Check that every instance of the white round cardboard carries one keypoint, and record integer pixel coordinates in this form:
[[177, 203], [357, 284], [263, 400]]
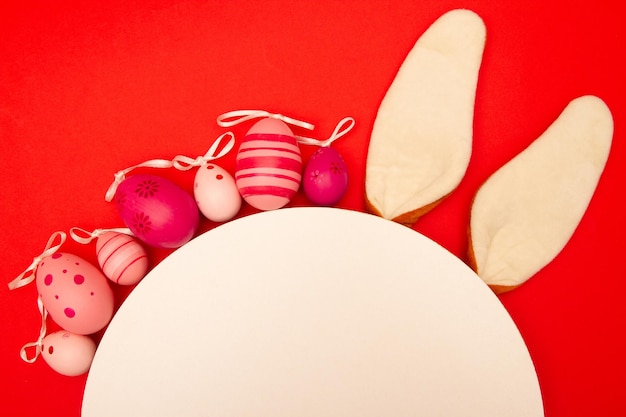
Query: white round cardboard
[[312, 312]]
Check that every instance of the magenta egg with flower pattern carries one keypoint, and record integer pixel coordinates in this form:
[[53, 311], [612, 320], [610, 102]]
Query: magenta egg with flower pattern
[[157, 211], [75, 293], [325, 178]]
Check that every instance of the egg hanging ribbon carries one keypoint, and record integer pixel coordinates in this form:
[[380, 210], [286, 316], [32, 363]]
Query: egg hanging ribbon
[[180, 162], [344, 126], [28, 275], [236, 117], [26, 278], [84, 236], [42, 333]]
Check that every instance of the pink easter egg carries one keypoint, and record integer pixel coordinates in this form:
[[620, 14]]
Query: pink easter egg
[[216, 193], [157, 211], [325, 178], [268, 165], [68, 353], [122, 259], [75, 293]]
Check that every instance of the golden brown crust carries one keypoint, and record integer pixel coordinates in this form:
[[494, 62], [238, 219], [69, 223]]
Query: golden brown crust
[[371, 208], [471, 261], [409, 218], [471, 257], [501, 289]]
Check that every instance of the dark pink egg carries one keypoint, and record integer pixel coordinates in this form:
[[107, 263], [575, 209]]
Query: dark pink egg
[[75, 293], [157, 211], [269, 165], [325, 178]]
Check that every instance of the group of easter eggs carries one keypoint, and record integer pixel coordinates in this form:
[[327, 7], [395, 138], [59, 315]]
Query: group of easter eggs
[[157, 212]]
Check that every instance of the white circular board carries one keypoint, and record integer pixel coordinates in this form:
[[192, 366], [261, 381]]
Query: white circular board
[[312, 312]]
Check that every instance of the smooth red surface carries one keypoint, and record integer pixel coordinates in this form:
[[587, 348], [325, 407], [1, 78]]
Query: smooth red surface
[[87, 90]]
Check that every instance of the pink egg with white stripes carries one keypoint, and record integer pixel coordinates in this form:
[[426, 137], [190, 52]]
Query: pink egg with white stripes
[[122, 259], [269, 165], [75, 293]]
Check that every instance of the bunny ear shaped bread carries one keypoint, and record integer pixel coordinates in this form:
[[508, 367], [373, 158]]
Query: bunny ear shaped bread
[[526, 212], [421, 141]]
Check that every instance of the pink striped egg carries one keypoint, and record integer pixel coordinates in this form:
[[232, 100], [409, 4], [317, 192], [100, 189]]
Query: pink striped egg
[[122, 259], [269, 165]]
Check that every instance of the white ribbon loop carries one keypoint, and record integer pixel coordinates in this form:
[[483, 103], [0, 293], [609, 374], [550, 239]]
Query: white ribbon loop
[[84, 236], [344, 126], [180, 162], [39, 342], [28, 275], [236, 117], [121, 175], [184, 163]]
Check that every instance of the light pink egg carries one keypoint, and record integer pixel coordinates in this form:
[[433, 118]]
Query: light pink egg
[[216, 193], [269, 165], [75, 293], [157, 211], [325, 178], [122, 259], [68, 353]]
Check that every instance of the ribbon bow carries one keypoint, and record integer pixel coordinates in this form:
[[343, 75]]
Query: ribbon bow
[[83, 236], [26, 278], [235, 117], [180, 162], [39, 342], [28, 275], [344, 126]]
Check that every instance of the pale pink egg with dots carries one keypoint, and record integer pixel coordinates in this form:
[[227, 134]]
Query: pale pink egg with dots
[[122, 259], [157, 211], [75, 293], [269, 165], [68, 353], [216, 193]]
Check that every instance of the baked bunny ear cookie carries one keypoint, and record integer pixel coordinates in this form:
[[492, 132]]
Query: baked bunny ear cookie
[[421, 141], [526, 212]]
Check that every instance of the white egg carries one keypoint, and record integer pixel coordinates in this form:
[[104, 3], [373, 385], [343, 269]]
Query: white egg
[[68, 353], [216, 193]]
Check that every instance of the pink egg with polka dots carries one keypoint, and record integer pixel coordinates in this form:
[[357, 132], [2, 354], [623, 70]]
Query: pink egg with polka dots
[[157, 211], [269, 165], [216, 193], [122, 259], [75, 293]]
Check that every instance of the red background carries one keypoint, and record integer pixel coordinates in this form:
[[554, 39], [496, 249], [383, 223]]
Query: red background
[[87, 90]]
